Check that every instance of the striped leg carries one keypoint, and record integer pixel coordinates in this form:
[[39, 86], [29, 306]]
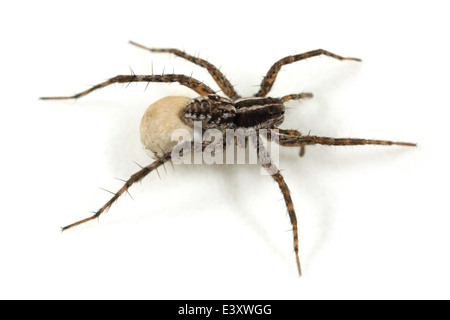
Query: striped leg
[[297, 96], [293, 138], [218, 76], [138, 176], [276, 175], [271, 75], [284, 133], [186, 81], [294, 133], [141, 174]]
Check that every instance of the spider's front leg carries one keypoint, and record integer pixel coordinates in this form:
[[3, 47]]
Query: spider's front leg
[[293, 138], [186, 81], [266, 162], [271, 75]]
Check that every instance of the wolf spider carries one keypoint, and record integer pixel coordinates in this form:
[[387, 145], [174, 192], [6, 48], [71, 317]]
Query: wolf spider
[[258, 112]]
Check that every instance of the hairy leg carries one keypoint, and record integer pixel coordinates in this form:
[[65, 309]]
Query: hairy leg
[[186, 81], [138, 176], [276, 175], [271, 75], [284, 132], [297, 96], [293, 138], [297, 134], [218, 76], [141, 174]]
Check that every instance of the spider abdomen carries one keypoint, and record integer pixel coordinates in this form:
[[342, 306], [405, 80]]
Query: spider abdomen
[[212, 111]]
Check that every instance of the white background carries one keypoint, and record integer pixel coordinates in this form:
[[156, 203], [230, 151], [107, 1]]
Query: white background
[[373, 221]]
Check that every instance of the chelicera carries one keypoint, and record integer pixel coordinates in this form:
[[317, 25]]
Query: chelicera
[[217, 112]]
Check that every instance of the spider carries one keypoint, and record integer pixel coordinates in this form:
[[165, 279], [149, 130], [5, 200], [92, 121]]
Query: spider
[[258, 112]]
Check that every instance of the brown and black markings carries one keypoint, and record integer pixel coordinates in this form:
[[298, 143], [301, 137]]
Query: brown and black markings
[[258, 112]]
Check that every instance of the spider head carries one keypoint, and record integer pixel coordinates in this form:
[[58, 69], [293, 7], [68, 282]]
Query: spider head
[[259, 112]]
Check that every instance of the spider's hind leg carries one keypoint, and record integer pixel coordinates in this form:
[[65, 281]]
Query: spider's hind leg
[[141, 174], [217, 75], [138, 176]]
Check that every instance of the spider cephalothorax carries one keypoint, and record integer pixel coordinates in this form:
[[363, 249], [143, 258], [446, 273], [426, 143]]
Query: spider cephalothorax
[[215, 112]]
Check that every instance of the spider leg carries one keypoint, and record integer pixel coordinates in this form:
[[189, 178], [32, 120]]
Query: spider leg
[[186, 81], [294, 132], [297, 96], [141, 174], [276, 175], [138, 176], [218, 76], [293, 138], [271, 75], [290, 132]]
